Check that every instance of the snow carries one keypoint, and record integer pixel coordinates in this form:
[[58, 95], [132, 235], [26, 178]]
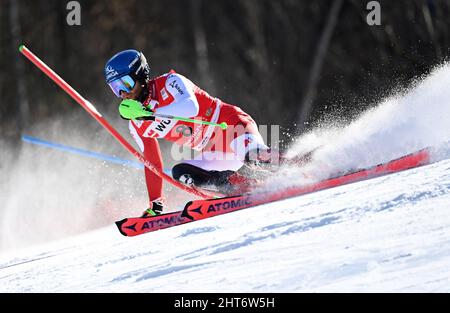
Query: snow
[[389, 234]]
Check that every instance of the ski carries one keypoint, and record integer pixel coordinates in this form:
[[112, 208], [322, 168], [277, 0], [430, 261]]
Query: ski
[[140, 225], [201, 209]]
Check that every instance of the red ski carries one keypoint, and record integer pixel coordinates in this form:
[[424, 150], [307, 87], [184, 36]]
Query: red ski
[[201, 209], [139, 225]]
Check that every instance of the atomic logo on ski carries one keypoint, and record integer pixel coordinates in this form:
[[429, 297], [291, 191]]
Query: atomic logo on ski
[[132, 227], [201, 209], [140, 225], [197, 210]]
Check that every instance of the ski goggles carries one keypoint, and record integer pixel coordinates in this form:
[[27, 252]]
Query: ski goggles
[[124, 83]]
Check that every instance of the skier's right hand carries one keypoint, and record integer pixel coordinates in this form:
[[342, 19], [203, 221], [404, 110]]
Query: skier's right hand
[[147, 117], [134, 110]]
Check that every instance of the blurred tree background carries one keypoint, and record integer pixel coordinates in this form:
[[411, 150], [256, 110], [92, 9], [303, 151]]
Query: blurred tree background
[[285, 62]]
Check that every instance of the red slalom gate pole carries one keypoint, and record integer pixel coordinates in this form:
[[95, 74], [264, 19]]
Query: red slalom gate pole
[[97, 116]]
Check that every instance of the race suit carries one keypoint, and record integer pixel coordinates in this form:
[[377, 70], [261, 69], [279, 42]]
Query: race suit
[[218, 149]]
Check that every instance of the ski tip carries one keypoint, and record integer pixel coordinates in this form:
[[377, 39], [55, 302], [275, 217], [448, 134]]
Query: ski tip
[[119, 225], [21, 47]]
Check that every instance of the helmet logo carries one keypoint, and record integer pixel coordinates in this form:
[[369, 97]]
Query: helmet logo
[[133, 62], [140, 67], [110, 72]]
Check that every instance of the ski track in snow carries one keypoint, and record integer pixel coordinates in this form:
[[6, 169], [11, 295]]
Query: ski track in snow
[[388, 234]]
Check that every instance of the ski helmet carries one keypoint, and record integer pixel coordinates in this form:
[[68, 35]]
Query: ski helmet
[[128, 62]]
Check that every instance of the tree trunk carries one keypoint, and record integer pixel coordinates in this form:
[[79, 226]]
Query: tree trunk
[[22, 101], [321, 51], [431, 30], [201, 47]]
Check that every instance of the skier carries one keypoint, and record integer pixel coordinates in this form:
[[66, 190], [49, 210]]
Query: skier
[[221, 152]]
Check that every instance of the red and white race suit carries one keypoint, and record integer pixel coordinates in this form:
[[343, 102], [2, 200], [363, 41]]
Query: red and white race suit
[[173, 94]]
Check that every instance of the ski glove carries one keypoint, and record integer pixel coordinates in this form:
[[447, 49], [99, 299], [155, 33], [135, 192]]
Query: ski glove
[[134, 110]]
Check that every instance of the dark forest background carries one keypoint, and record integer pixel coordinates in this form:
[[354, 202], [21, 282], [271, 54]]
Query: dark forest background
[[272, 58]]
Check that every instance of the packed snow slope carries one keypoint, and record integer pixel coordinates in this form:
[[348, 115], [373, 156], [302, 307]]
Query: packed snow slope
[[388, 234], [385, 234]]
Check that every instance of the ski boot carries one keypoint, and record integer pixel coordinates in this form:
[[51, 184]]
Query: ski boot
[[197, 177], [155, 209]]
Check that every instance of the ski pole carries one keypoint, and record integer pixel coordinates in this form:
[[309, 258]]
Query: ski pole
[[86, 153], [89, 107], [132, 109]]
